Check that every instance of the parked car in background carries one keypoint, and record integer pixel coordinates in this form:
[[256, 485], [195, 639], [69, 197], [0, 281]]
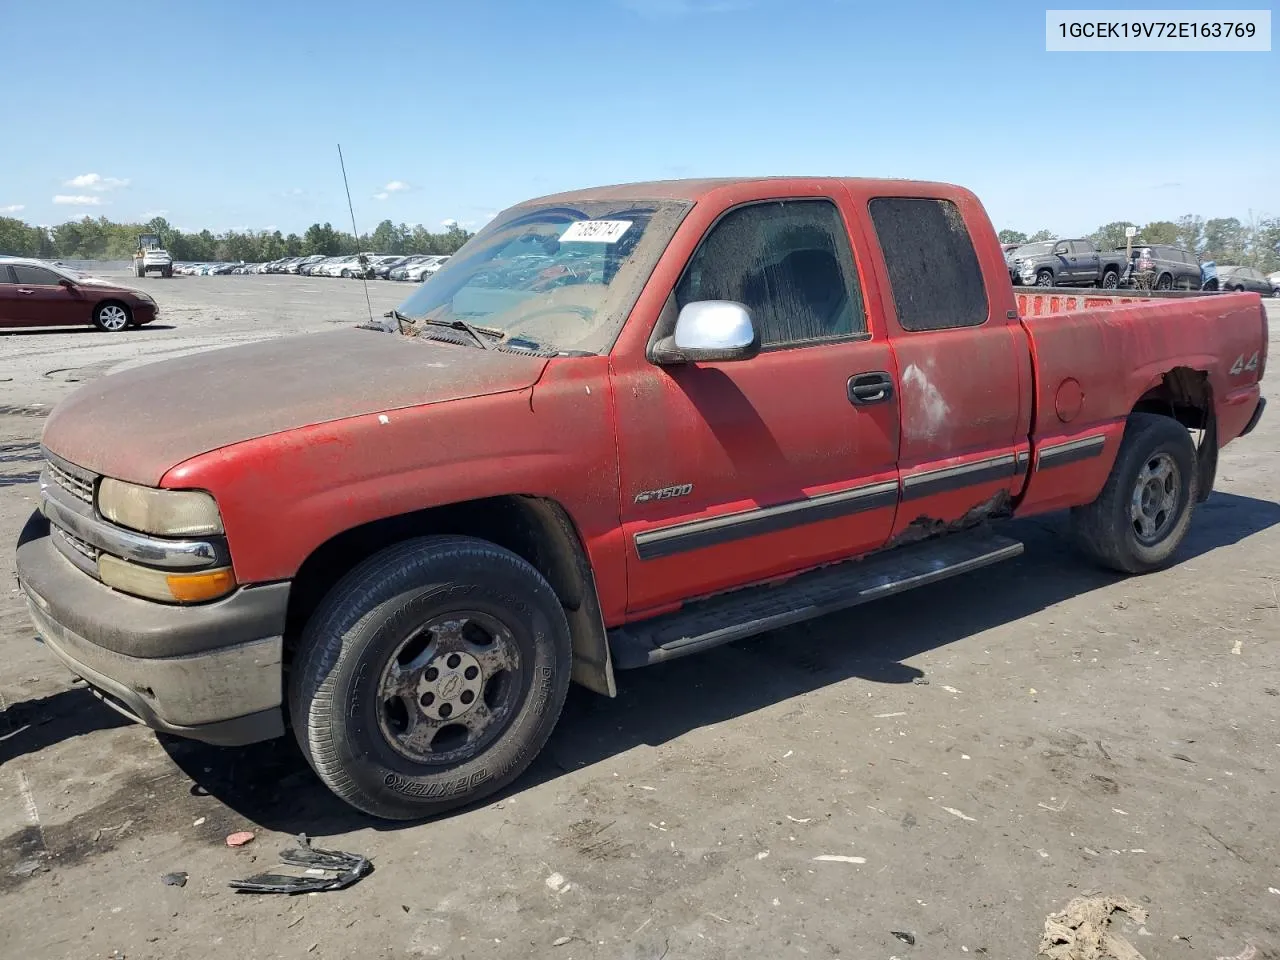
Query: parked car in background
[[420, 271], [1274, 280], [36, 294], [309, 266], [382, 266], [1161, 266], [401, 270], [350, 267], [1244, 279], [1065, 263]]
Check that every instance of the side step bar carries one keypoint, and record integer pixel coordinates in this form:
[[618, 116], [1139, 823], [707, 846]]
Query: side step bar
[[743, 613]]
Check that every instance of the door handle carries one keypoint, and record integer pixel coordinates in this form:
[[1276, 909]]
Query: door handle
[[868, 388], [24, 290]]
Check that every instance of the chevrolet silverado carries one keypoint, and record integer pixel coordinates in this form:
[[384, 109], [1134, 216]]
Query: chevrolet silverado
[[620, 426]]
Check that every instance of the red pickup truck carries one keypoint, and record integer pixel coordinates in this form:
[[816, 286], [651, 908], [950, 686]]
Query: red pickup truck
[[620, 426]]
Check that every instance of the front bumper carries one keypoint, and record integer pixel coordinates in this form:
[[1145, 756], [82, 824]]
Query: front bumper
[[210, 672]]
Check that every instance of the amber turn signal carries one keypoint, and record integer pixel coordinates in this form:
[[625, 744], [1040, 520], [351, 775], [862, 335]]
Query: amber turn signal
[[162, 585]]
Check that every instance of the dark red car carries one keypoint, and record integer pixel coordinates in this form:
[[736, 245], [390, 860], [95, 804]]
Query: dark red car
[[35, 294]]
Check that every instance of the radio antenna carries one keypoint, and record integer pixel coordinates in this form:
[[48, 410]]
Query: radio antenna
[[354, 232]]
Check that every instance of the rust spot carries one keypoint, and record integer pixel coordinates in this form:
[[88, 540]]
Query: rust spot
[[998, 506]]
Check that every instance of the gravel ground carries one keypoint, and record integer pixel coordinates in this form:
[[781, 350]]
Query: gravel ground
[[979, 753]]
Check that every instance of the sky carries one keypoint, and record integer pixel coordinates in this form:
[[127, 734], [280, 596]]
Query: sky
[[227, 115]]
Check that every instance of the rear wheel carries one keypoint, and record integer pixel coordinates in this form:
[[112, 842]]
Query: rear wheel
[[111, 317], [1144, 510], [1044, 278], [430, 676], [1165, 282]]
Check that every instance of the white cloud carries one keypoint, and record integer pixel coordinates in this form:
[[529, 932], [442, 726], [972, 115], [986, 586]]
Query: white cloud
[[396, 186], [13, 208], [295, 192], [448, 223], [68, 200], [96, 182], [152, 214], [381, 196]]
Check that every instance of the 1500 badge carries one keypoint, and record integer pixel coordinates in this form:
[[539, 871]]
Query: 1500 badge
[[666, 493]]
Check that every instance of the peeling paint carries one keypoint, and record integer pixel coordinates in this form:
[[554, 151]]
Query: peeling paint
[[927, 410]]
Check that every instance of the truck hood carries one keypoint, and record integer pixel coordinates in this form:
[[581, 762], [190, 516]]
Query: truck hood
[[138, 424]]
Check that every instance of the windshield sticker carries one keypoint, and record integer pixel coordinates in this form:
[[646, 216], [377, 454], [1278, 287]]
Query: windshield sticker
[[596, 231]]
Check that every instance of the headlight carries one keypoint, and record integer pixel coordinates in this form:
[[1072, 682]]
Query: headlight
[[166, 513]]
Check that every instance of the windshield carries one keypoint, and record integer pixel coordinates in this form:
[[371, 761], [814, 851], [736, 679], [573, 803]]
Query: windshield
[[1035, 249], [552, 277]]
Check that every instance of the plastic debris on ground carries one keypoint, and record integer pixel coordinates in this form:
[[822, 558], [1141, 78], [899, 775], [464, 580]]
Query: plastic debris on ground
[[239, 839], [1083, 930], [908, 938], [322, 870], [178, 879]]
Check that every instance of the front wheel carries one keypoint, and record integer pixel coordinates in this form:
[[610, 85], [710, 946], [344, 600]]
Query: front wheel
[[430, 676], [346, 274], [1110, 280], [111, 317], [1144, 510], [1044, 278]]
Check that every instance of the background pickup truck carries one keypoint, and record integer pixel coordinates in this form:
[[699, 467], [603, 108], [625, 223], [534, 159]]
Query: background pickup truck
[[619, 426], [1066, 263]]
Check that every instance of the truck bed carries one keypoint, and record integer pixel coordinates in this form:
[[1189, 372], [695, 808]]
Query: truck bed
[[1096, 357]]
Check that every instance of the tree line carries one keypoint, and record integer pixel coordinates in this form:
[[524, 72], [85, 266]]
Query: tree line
[[1225, 240], [103, 239]]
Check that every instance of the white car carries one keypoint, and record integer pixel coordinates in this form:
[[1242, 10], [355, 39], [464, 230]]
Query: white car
[[346, 268], [1274, 278], [420, 271]]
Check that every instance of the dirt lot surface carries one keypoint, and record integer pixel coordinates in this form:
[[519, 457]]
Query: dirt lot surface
[[977, 753]]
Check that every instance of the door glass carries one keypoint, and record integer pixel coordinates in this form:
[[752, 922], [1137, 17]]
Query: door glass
[[35, 276], [933, 269], [786, 261]]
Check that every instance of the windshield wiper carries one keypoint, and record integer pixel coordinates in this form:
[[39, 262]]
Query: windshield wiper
[[477, 333]]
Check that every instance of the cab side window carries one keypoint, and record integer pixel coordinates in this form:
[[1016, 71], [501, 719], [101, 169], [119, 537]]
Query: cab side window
[[789, 263], [933, 268]]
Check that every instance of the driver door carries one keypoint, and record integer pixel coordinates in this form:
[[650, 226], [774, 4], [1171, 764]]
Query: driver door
[[738, 472]]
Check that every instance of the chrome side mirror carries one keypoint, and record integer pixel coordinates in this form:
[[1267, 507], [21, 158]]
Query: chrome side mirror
[[710, 330]]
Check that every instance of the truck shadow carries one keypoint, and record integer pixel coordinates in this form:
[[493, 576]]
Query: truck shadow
[[271, 784], [28, 726]]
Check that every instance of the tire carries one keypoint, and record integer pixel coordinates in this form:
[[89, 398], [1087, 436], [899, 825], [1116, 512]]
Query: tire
[[1044, 278], [112, 317], [1109, 530], [139, 272], [1165, 282], [1110, 280], [346, 274], [167, 273], [374, 631]]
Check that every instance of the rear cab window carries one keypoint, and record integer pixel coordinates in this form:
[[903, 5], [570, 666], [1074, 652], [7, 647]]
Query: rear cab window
[[934, 274]]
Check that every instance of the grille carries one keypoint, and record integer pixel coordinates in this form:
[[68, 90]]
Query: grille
[[84, 549], [76, 486]]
